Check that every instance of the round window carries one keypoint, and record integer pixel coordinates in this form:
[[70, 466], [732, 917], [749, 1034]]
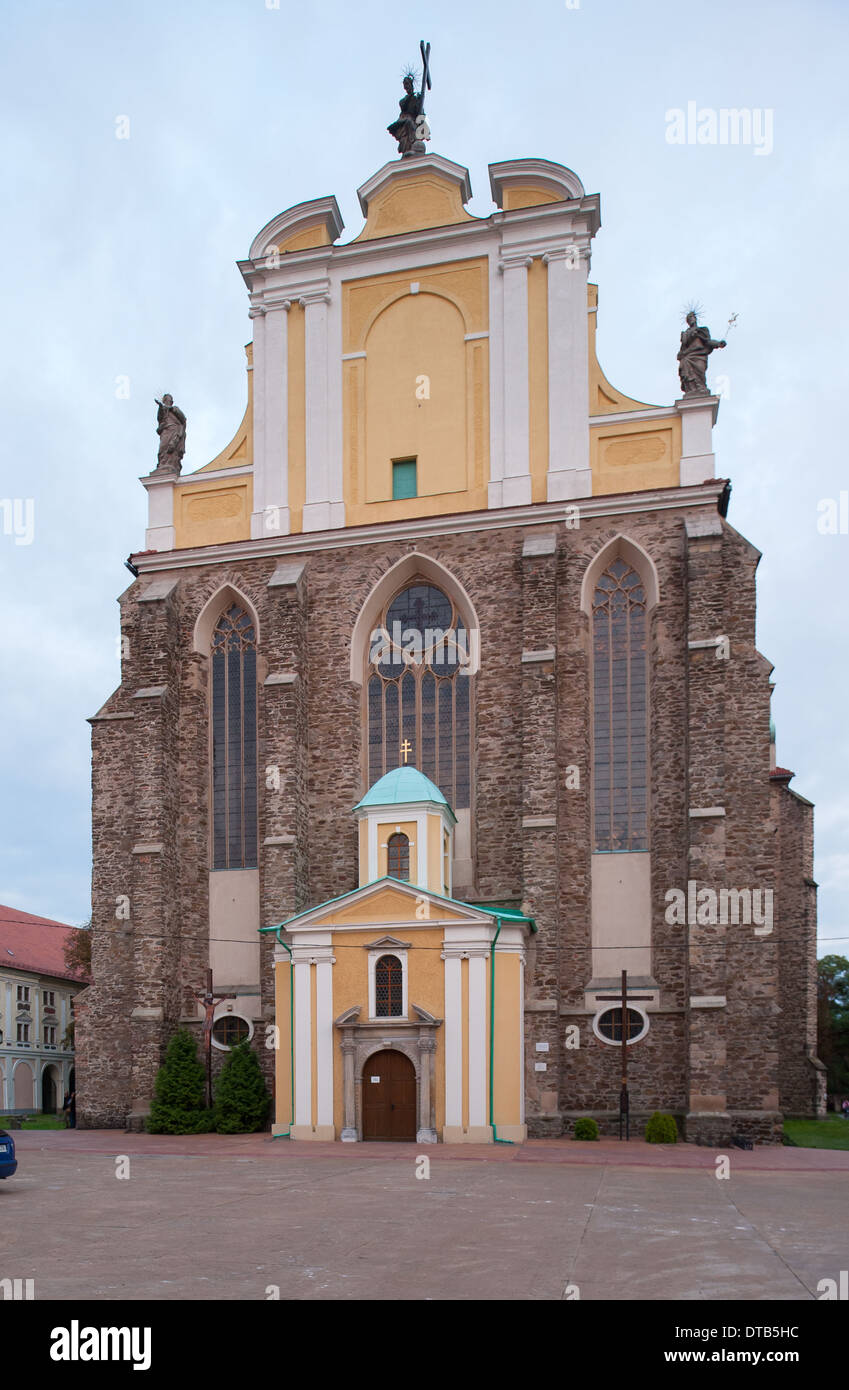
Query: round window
[[608, 1025], [229, 1030]]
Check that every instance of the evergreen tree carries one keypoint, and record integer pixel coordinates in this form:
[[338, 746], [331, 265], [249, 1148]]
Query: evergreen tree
[[833, 1022], [241, 1099], [179, 1093]]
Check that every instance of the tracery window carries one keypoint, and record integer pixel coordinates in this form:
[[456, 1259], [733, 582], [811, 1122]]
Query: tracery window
[[620, 709], [388, 987], [398, 857], [234, 780], [418, 692]]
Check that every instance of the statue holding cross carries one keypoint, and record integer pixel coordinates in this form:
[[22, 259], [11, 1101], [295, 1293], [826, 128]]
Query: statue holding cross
[[411, 129]]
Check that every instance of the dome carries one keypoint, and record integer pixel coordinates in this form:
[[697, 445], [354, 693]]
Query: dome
[[401, 786]]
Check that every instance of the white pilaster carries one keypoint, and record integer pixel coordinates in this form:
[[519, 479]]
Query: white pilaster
[[271, 501], [569, 472], [324, 1040], [477, 1038], [496, 378], [257, 316], [516, 482], [303, 1044], [317, 503], [453, 1041], [698, 417], [160, 533]]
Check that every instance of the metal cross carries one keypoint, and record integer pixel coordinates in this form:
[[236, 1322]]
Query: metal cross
[[406, 748], [425, 52], [624, 1098], [209, 998]]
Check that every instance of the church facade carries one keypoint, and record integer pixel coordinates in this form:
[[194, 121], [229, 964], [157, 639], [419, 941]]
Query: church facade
[[441, 707]]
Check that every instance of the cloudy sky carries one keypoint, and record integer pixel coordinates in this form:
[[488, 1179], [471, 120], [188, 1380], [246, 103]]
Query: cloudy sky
[[118, 262]]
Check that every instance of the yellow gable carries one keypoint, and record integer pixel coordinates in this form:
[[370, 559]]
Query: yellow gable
[[426, 199], [389, 904]]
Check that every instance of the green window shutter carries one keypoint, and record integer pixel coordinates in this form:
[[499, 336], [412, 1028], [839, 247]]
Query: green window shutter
[[403, 479]]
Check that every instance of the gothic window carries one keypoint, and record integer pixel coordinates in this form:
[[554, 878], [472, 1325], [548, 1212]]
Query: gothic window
[[398, 857], [620, 710], [418, 692], [388, 988], [234, 785]]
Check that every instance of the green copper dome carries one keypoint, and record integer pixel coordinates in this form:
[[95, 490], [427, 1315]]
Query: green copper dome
[[400, 787]]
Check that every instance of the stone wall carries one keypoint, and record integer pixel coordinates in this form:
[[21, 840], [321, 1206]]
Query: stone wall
[[532, 843]]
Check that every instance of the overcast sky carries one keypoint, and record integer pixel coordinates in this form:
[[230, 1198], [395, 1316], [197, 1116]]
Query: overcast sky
[[119, 261]]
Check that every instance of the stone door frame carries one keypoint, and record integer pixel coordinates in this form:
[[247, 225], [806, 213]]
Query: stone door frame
[[415, 1038]]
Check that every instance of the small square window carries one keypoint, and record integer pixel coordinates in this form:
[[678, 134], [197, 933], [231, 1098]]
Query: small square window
[[403, 479]]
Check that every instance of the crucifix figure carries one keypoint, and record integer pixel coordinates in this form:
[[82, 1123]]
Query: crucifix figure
[[411, 129], [209, 998], [623, 998]]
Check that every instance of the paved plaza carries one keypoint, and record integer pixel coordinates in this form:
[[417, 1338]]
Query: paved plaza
[[219, 1217]]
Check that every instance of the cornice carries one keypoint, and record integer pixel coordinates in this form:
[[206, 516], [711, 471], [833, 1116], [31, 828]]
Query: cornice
[[704, 494]]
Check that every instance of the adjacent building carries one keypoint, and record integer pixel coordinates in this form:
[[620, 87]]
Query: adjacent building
[[37, 994]]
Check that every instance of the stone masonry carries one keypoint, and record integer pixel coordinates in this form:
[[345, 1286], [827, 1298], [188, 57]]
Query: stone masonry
[[731, 1065]]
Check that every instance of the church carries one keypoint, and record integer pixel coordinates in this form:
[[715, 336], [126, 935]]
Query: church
[[441, 719]]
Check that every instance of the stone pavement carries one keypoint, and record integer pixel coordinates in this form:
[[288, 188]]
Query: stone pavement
[[220, 1217]]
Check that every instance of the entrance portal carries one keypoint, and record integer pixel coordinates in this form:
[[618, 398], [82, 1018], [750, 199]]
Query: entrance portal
[[389, 1097]]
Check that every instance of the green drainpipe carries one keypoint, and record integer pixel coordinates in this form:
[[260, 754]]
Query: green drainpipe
[[495, 1138], [287, 1134]]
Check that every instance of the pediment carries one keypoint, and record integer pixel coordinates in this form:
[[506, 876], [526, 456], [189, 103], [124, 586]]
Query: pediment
[[387, 903]]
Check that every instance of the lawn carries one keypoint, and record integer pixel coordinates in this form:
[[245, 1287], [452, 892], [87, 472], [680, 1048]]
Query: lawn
[[830, 1133], [53, 1122]]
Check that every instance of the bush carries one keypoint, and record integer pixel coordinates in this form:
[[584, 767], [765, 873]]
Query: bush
[[661, 1129], [179, 1092], [241, 1099], [585, 1128]]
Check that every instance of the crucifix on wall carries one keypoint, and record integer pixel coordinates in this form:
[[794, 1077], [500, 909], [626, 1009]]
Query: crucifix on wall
[[623, 999], [209, 998]]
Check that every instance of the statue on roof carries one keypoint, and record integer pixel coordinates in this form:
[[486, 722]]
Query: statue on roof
[[171, 428], [411, 129], [696, 346]]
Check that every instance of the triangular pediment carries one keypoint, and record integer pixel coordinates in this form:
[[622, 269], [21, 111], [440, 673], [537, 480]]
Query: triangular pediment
[[387, 903]]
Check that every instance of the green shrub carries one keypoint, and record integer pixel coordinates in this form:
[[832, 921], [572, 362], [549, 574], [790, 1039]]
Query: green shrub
[[179, 1092], [585, 1128], [661, 1129], [241, 1099]]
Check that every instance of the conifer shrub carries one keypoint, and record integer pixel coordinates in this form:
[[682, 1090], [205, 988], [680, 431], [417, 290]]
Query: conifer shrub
[[242, 1101], [179, 1092], [585, 1128], [661, 1129]]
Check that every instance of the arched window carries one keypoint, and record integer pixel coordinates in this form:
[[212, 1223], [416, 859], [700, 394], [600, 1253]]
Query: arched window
[[620, 709], [398, 857], [234, 789], [418, 691], [388, 987]]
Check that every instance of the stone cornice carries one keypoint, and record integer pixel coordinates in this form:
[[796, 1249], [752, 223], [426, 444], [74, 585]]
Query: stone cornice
[[704, 494]]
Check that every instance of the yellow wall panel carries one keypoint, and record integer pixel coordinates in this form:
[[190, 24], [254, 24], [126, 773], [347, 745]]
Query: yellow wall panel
[[213, 511], [635, 456]]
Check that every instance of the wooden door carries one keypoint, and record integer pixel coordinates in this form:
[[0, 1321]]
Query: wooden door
[[389, 1097]]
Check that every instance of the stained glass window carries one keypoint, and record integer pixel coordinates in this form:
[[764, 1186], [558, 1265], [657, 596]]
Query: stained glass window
[[398, 857], [388, 991], [234, 771], [418, 693], [620, 710]]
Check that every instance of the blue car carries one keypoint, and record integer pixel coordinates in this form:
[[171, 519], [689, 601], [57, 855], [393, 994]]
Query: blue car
[[8, 1162]]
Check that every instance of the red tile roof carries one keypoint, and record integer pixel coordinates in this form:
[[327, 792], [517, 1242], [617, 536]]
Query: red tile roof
[[782, 774], [35, 944]]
